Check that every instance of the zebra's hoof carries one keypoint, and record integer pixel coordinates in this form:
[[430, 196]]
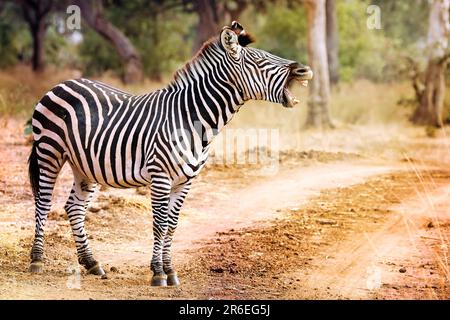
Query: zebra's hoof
[[36, 267], [96, 270], [159, 281], [172, 279]]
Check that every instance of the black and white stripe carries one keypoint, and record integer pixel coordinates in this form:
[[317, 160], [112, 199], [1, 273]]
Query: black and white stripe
[[160, 139]]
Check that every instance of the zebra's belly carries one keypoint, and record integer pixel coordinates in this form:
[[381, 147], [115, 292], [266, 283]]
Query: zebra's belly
[[118, 173]]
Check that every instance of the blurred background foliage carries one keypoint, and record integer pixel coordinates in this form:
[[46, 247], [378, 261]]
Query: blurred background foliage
[[164, 38], [165, 34], [15, 39]]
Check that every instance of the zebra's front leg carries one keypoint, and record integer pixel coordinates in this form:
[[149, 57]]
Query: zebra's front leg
[[160, 189], [176, 201], [80, 196]]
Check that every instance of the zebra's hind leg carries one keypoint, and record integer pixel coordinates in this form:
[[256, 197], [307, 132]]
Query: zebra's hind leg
[[80, 196], [45, 163], [177, 197], [43, 205]]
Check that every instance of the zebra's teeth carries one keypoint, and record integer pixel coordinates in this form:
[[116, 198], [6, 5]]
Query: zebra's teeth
[[304, 83], [291, 100]]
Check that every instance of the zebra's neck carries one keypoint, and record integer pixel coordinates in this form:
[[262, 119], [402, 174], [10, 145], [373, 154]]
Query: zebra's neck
[[205, 94]]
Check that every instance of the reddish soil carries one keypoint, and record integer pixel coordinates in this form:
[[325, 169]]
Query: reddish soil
[[324, 225]]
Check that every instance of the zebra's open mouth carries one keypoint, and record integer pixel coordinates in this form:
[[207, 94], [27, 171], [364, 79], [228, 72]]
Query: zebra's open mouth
[[289, 100]]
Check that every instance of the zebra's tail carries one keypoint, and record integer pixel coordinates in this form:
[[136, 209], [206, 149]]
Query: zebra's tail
[[33, 170]]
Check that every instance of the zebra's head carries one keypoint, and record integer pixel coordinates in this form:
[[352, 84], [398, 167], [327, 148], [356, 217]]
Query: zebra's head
[[260, 75]]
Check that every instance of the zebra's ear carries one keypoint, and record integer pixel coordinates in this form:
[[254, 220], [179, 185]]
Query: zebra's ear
[[244, 38], [229, 40]]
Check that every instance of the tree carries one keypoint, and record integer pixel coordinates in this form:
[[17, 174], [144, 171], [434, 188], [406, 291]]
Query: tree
[[92, 13], [318, 109], [35, 13], [207, 22], [212, 15], [332, 41], [431, 104]]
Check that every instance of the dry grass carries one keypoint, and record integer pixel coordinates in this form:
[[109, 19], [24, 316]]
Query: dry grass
[[20, 88], [369, 120], [364, 102], [361, 102]]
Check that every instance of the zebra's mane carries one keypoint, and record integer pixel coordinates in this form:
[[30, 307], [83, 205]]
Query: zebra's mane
[[185, 71], [212, 44]]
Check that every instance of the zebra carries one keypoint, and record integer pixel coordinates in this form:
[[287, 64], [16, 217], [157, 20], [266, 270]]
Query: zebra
[[160, 139]]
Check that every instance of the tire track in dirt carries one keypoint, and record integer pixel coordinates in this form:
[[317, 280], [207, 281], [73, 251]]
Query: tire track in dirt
[[387, 263], [371, 240], [257, 201]]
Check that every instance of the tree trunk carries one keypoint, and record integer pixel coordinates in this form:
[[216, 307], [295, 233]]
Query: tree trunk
[[38, 35], [207, 25], [211, 14], [35, 12], [431, 104], [92, 13], [318, 109], [332, 41]]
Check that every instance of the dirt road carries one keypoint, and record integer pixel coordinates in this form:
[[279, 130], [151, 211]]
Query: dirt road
[[343, 228], [406, 258]]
